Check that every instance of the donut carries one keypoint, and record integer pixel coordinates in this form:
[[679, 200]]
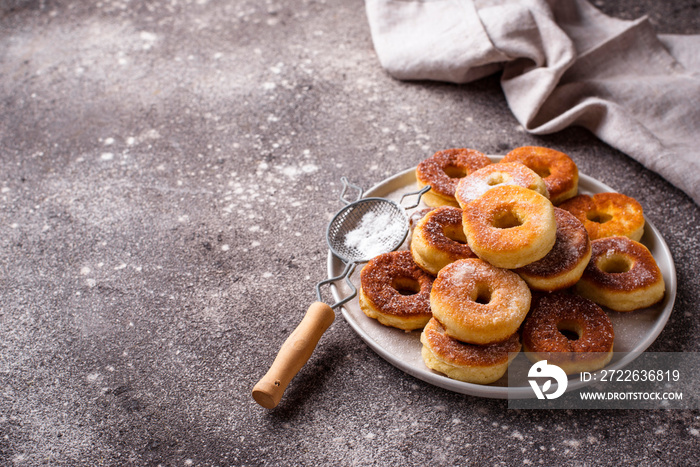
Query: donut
[[622, 275], [510, 226], [395, 291], [479, 303], [563, 266], [569, 331], [480, 364], [438, 239], [479, 182], [608, 215], [443, 170], [558, 171]]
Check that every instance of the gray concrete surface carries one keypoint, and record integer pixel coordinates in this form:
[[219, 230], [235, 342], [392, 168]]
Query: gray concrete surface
[[168, 170]]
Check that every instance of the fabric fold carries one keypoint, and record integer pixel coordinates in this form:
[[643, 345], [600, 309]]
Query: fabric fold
[[433, 40], [563, 63]]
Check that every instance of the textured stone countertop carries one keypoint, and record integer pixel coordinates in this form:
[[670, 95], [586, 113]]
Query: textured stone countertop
[[168, 171]]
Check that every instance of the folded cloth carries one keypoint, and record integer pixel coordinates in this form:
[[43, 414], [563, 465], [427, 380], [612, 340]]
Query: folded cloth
[[563, 63]]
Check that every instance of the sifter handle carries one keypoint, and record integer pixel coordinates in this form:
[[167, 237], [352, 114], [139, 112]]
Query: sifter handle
[[293, 354]]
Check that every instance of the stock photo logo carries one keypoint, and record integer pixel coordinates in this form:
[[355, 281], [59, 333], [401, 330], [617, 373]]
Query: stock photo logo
[[541, 370]]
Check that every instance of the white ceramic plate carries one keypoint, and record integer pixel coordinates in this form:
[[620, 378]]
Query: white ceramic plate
[[634, 331]]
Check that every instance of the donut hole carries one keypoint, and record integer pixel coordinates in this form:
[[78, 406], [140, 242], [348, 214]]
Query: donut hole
[[453, 171], [543, 172], [482, 294], [615, 264], [570, 329], [506, 220], [495, 179], [455, 233], [599, 217], [406, 285]]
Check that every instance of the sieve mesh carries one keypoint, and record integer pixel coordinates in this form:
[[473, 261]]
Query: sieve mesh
[[386, 233]]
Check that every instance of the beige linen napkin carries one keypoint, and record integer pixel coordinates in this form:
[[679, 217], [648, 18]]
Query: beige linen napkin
[[564, 63]]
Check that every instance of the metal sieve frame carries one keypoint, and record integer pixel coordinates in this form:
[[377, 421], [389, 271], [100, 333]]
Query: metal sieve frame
[[354, 212]]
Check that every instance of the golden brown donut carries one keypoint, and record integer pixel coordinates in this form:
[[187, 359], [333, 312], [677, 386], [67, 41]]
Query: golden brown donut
[[479, 303], [443, 170], [438, 239], [510, 226], [479, 182], [563, 266], [558, 171], [480, 364], [395, 291], [622, 275], [569, 331], [608, 215]]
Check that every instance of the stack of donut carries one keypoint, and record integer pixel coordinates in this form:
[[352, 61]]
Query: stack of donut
[[509, 252]]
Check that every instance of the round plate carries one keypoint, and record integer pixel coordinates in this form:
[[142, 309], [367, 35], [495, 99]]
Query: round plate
[[634, 331]]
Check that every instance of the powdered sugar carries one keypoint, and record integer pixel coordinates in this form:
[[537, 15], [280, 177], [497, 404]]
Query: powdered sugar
[[375, 234], [473, 187], [463, 273]]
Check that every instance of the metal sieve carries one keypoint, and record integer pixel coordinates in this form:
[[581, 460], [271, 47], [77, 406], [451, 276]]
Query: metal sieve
[[299, 346], [389, 238], [350, 218]]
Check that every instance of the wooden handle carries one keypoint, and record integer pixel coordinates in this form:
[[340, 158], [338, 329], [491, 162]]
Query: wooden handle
[[294, 353]]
